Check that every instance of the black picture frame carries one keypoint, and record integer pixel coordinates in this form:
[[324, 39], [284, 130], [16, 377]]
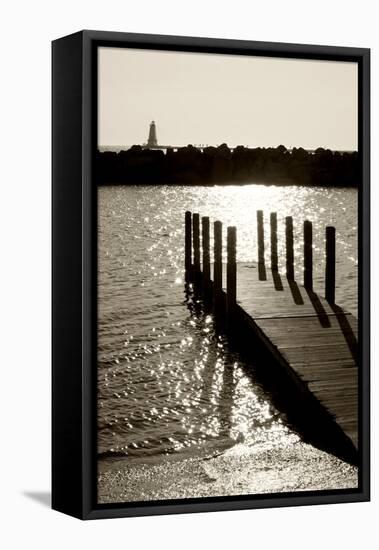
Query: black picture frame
[[74, 308]]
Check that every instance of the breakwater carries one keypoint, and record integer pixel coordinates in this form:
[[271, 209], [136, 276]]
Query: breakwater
[[222, 165]]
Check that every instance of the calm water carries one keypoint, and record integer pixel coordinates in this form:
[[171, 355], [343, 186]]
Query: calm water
[[166, 382]]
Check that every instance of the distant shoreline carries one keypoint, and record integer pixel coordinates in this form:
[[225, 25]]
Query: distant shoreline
[[224, 166], [119, 148]]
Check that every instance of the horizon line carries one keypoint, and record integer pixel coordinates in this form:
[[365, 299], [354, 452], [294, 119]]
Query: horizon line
[[203, 146]]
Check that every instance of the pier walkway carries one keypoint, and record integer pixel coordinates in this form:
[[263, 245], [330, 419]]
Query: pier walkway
[[312, 338], [316, 340]]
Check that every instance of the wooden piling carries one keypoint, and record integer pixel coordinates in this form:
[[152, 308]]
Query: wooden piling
[[205, 246], [330, 264], [188, 245], [289, 249], [274, 241], [196, 245], [261, 247], [308, 255], [217, 265], [261, 240], [231, 272]]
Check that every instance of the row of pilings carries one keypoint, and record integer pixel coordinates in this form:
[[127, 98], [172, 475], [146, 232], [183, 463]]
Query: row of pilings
[[199, 258], [198, 265]]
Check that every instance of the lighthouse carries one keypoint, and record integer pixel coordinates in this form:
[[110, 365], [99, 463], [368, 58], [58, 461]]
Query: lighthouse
[[152, 140]]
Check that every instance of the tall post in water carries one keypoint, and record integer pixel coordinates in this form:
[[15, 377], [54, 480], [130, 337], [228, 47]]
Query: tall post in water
[[206, 256], [330, 265], [308, 255], [289, 249], [196, 246], [217, 265], [274, 241], [231, 274], [188, 246], [261, 246]]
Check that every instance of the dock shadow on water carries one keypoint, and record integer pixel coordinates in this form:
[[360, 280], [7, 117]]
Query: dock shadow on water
[[221, 373], [235, 407]]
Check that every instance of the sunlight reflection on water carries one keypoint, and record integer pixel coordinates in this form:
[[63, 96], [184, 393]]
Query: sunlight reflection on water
[[166, 381]]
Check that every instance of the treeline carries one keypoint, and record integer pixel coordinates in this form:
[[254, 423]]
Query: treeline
[[221, 165]]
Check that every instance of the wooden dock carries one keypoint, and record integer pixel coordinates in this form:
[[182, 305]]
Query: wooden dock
[[313, 339]]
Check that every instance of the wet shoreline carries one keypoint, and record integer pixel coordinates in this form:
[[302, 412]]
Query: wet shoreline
[[240, 470]]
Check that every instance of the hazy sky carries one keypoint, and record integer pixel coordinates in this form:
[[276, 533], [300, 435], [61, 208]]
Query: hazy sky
[[210, 99]]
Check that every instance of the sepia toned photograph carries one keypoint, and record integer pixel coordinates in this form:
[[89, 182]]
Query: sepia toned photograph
[[227, 275]]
